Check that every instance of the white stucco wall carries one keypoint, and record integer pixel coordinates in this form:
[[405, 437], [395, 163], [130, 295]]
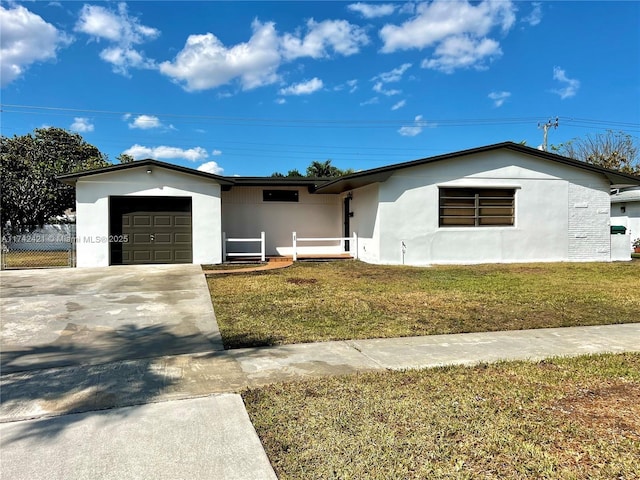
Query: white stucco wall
[[245, 215], [364, 222], [546, 198], [92, 210], [589, 219]]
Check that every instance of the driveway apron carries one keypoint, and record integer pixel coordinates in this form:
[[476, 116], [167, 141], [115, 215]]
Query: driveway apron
[[89, 316]]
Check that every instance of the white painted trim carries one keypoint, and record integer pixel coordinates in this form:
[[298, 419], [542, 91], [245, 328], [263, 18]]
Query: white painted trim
[[261, 253], [353, 239]]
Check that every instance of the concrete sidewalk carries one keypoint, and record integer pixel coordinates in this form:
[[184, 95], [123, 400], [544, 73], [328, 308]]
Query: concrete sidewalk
[[203, 438], [167, 417], [59, 391]]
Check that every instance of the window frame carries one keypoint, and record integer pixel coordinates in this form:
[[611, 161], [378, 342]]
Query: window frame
[[280, 195], [476, 203]]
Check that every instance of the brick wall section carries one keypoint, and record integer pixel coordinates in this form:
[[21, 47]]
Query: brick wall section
[[589, 210]]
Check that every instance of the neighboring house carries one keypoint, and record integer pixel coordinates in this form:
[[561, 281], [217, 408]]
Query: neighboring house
[[499, 203], [625, 211]]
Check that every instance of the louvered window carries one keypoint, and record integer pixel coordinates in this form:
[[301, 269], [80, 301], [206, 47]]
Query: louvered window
[[477, 207]]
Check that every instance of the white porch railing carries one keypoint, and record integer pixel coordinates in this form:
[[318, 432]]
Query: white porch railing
[[261, 253], [353, 243]]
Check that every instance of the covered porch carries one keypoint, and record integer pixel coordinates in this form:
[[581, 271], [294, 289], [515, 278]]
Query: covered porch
[[253, 249], [283, 218]]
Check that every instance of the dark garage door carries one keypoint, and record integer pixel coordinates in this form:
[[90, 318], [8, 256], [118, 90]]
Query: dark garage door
[[150, 230]]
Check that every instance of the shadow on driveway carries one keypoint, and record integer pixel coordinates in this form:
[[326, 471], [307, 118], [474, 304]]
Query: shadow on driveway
[[79, 345], [88, 387], [81, 340]]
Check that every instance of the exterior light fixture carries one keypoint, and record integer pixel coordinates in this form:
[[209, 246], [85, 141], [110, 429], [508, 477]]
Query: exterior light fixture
[[149, 170]]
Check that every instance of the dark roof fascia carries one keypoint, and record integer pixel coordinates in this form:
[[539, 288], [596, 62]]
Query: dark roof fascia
[[278, 181], [72, 178], [311, 183], [367, 177], [354, 180]]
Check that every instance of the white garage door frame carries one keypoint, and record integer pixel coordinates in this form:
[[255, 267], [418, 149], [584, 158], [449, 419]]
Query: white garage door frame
[[92, 210]]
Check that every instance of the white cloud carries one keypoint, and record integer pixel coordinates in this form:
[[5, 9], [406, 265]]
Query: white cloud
[[81, 124], [124, 58], [408, 8], [499, 97], [439, 20], [368, 10], [394, 75], [462, 52], [206, 63], [100, 22], [571, 85], [456, 29], [122, 31], [535, 17], [304, 88], [26, 39], [352, 85], [216, 152], [280, 101], [418, 125], [371, 101], [339, 35], [211, 167], [378, 87], [399, 105], [145, 122], [163, 152]]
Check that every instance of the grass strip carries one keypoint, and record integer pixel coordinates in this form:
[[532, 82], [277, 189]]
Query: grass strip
[[311, 302], [571, 418]]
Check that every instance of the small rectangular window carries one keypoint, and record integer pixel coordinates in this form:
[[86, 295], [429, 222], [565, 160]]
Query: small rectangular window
[[477, 207], [279, 195]]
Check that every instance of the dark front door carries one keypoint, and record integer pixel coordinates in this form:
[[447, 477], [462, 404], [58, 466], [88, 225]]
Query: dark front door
[[150, 230], [347, 223]]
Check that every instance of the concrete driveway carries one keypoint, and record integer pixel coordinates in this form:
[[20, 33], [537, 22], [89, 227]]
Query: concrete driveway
[[76, 344], [84, 316]]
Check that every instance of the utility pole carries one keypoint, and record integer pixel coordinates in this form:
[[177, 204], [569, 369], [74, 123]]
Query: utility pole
[[545, 127]]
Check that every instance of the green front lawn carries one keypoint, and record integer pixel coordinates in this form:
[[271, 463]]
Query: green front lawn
[[576, 418], [311, 302]]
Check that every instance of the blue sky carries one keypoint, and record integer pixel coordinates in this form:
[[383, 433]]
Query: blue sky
[[249, 88]]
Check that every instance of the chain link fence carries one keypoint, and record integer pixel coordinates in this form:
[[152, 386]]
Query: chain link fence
[[50, 246]]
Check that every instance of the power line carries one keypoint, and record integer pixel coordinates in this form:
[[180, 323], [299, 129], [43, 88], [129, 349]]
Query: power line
[[296, 122], [285, 151]]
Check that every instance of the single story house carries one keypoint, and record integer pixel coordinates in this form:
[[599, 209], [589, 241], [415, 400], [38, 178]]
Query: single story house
[[625, 211], [498, 203]]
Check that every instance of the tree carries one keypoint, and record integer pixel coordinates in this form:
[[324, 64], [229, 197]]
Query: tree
[[315, 170], [294, 174], [125, 158], [28, 166], [323, 170], [613, 150]]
